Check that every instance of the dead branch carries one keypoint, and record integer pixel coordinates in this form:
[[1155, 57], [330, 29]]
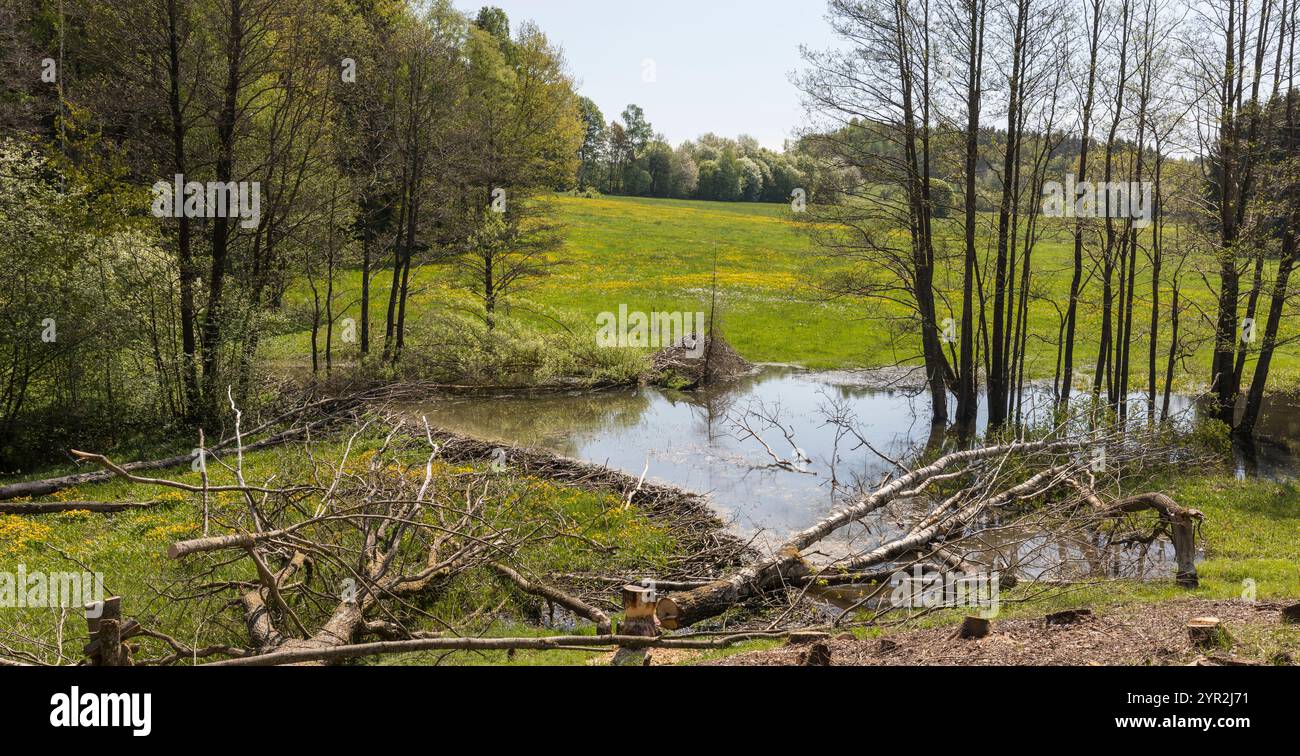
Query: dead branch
[[558, 642], [577, 606], [685, 609]]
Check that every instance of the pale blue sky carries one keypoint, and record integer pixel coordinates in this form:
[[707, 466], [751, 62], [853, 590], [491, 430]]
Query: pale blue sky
[[719, 65]]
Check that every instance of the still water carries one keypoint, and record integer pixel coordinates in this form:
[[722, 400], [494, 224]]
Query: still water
[[693, 441]]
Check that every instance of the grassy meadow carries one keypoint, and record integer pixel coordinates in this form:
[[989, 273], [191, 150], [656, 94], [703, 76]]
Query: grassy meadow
[[658, 255]]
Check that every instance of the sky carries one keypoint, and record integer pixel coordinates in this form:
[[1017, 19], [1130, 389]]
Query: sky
[[695, 66]]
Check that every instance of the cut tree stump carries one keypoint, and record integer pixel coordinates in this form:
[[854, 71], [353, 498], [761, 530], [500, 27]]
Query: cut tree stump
[[817, 655], [973, 628], [638, 611], [1291, 614], [638, 619], [1207, 632], [1069, 616], [104, 625]]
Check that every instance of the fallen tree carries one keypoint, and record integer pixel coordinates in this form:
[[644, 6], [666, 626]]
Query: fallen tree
[[978, 485], [320, 413], [54, 507], [685, 609], [554, 642]]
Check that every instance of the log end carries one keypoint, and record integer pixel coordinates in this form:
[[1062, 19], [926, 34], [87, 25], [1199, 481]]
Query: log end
[[974, 628], [669, 613]]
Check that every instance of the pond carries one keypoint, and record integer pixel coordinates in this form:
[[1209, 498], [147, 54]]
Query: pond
[[692, 440]]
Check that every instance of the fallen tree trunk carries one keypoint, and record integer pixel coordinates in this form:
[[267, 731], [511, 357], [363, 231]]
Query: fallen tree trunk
[[934, 525], [181, 549], [1182, 529], [51, 485], [54, 507], [1181, 522], [685, 609]]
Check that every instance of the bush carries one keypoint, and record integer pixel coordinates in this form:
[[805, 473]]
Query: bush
[[460, 348]]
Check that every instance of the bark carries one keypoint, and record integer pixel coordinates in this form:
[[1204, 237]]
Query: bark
[[185, 257], [998, 373], [221, 227], [967, 399], [573, 604], [1072, 313], [1277, 305], [51, 507], [685, 609], [299, 655]]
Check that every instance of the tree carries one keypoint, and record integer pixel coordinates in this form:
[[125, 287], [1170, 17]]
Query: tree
[[879, 89], [639, 130], [594, 143], [526, 128], [495, 22], [658, 159]]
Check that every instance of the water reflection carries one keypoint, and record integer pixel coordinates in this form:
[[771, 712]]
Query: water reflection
[[689, 440]]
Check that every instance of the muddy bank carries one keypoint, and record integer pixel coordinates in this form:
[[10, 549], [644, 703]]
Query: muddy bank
[[1126, 635], [705, 545]]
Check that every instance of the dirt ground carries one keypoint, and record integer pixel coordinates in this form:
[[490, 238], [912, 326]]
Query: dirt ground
[[1139, 634]]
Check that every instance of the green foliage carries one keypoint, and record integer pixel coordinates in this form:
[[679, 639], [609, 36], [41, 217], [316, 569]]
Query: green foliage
[[84, 303]]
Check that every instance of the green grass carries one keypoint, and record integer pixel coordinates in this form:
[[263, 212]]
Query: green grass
[[658, 255], [1252, 532], [595, 531]]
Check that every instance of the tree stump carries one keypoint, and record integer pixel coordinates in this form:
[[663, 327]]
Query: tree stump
[[1207, 632], [817, 655], [104, 625], [1183, 533], [638, 619], [638, 612], [973, 628]]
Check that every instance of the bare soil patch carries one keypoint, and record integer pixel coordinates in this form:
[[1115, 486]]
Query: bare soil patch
[[1126, 635]]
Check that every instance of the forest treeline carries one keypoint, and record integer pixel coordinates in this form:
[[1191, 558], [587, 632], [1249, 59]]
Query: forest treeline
[[626, 157]]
